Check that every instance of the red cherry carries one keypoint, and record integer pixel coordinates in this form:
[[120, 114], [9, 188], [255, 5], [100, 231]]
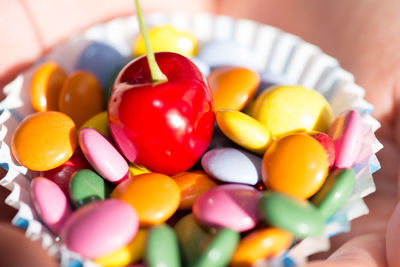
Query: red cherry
[[328, 145], [164, 126], [62, 174]]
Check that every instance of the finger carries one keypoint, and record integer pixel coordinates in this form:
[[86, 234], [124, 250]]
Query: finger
[[363, 251], [393, 238]]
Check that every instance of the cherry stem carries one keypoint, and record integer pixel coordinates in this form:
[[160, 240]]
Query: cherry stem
[[156, 73]]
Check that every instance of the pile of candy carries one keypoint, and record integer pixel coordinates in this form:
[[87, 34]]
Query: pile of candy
[[277, 168]]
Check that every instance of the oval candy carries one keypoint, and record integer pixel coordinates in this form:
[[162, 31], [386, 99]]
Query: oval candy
[[230, 205], [81, 97], [295, 164], [154, 196], [243, 130], [232, 87], [50, 203], [290, 109], [295, 215], [86, 186], [347, 134], [44, 141], [46, 86], [334, 193], [103, 156], [192, 184], [100, 228], [232, 165], [162, 247], [99, 122]]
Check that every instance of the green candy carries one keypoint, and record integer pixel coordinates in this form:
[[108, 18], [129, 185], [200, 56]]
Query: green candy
[[162, 247], [334, 193], [192, 237], [295, 215], [86, 186], [220, 250]]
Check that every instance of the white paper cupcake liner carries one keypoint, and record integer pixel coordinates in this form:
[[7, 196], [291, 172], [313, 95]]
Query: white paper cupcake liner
[[273, 53]]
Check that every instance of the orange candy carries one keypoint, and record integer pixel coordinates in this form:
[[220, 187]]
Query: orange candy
[[46, 86], [81, 97], [192, 185], [232, 87], [45, 140], [295, 164], [154, 196], [261, 244]]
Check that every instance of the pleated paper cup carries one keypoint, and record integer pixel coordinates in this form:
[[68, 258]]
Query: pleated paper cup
[[272, 52]]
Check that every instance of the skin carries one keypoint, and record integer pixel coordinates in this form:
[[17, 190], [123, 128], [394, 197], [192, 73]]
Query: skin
[[363, 36]]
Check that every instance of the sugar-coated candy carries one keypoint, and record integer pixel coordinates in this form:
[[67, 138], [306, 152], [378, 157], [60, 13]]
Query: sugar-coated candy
[[295, 164], [162, 247], [44, 141], [46, 86], [100, 228], [131, 253], [192, 238], [347, 134], [243, 130], [81, 97], [232, 165], [50, 203], [86, 186], [289, 109], [99, 122], [154, 196], [259, 245], [295, 215], [192, 184], [167, 38], [335, 191], [230, 205], [232, 87], [135, 169], [103, 156], [220, 250], [327, 144]]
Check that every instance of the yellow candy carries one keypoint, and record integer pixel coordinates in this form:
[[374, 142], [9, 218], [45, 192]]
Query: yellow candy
[[167, 38], [243, 130], [99, 122], [135, 169], [131, 253], [290, 109]]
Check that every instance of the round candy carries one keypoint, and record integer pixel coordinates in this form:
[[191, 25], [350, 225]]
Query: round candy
[[62, 174], [231, 165], [154, 196], [192, 238], [347, 134], [261, 244], [230, 205], [243, 130], [100, 228], [85, 186], [102, 155], [167, 38], [327, 144], [44, 141], [131, 253], [50, 203], [192, 185], [295, 164], [232, 87], [99, 122], [162, 247], [220, 250], [289, 109], [46, 86], [295, 215], [335, 191], [81, 97]]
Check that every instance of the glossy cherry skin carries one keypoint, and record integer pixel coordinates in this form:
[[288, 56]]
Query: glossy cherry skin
[[165, 126]]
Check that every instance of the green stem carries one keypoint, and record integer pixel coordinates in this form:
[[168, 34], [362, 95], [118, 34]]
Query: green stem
[[156, 73]]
